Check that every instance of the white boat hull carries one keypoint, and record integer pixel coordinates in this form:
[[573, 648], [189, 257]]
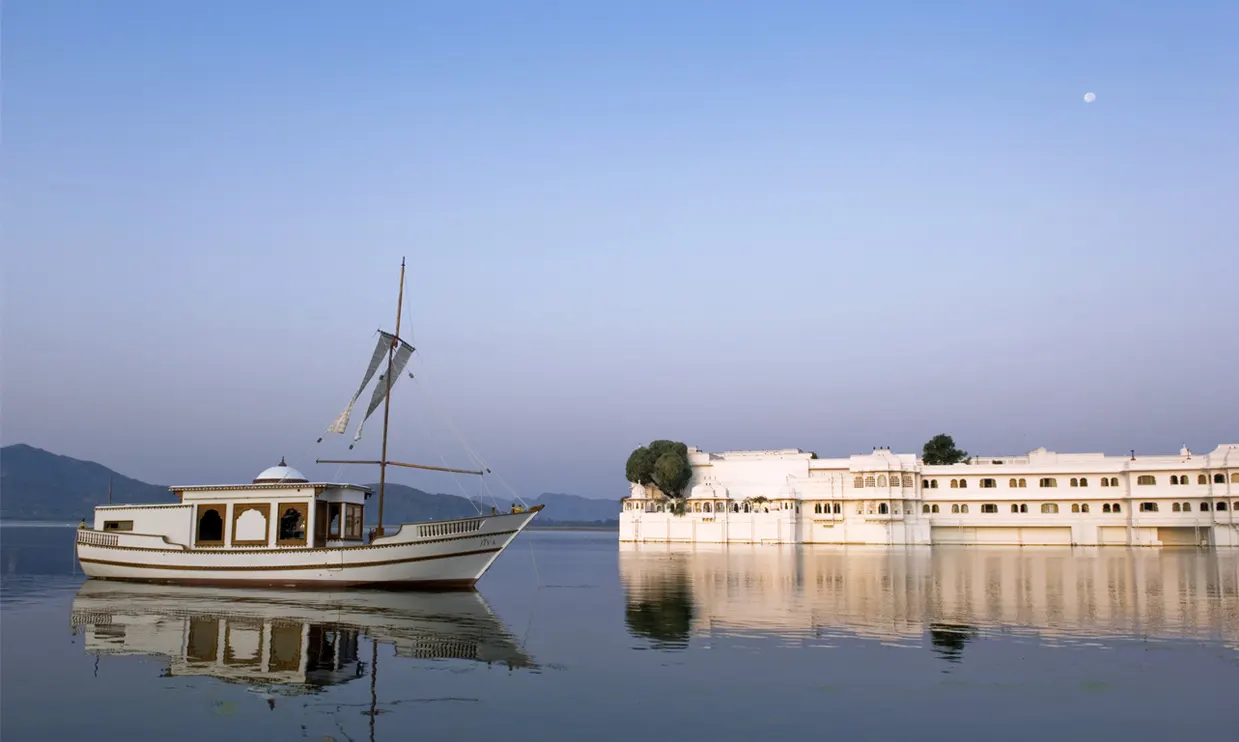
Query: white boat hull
[[434, 555]]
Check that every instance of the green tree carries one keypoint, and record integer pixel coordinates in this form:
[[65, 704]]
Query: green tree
[[941, 450], [640, 468], [663, 464]]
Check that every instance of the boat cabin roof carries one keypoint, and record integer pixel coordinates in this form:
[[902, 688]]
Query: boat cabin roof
[[281, 477]]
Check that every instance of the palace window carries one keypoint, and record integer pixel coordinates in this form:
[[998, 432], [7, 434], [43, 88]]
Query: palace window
[[1075, 482], [989, 507], [883, 509], [1116, 508], [1049, 507], [1048, 482], [1075, 507], [1105, 482], [1146, 479], [934, 508], [1114, 481], [1219, 479], [955, 508], [859, 483], [882, 480], [1148, 507], [1175, 508], [1023, 482], [989, 483], [1234, 478], [1015, 508], [925, 509], [964, 508], [869, 481], [1187, 507], [1220, 506], [838, 508], [1202, 479], [1204, 507], [1013, 484], [954, 484], [1084, 507], [1105, 508], [1083, 481], [933, 484], [817, 508], [907, 480]]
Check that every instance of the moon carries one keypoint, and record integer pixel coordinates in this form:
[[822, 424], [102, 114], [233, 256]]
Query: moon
[[1090, 97]]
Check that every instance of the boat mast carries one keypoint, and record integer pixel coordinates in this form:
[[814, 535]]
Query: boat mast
[[378, 531]]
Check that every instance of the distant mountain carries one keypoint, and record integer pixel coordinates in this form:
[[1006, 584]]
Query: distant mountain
[[40, 485]]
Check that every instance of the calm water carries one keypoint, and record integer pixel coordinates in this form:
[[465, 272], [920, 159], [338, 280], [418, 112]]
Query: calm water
[[572, 636]]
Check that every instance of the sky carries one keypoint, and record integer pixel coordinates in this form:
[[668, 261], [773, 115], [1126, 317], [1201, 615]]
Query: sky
[[739, 225]]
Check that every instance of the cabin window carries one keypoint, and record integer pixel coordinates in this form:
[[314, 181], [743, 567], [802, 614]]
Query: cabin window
[[989, 507], [292, 524], [210, 530], [118, 525], [335, 519], [249, 524], [1148, 507], [1049, 507]]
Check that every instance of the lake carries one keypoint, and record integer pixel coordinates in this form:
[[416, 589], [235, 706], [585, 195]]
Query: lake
[[574, 636]]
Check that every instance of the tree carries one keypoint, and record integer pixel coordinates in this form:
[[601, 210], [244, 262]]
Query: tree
[[663, 464], [941, 450]]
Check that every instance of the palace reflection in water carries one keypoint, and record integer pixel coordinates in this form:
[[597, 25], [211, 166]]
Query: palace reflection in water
[[945, 596]]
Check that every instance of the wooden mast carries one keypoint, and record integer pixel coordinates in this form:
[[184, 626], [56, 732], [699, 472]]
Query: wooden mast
[[378, 531]]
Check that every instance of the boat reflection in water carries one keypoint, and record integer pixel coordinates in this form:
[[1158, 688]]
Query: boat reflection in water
[[286, 642], [941, 596]]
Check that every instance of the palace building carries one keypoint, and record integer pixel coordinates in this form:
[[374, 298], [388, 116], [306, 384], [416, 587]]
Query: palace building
[[1043, 497]]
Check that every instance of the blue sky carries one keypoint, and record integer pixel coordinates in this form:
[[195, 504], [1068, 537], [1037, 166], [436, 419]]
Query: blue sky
[[740, 225]]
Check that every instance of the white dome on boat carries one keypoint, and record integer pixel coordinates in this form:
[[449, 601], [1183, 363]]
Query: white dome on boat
[[282, 474]]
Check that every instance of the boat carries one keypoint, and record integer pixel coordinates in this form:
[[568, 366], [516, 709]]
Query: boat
[[283, 530]]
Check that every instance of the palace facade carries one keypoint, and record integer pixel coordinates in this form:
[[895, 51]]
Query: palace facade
[[791, 496]]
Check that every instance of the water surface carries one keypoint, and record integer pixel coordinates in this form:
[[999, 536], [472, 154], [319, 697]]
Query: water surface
[[571, 635]]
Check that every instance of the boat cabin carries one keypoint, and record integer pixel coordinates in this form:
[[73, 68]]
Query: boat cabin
[[279, 509]]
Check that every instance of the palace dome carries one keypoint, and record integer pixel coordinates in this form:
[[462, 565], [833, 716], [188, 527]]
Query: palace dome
[[280, 474]]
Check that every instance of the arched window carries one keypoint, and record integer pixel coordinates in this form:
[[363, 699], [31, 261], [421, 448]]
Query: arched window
[[1049, 507], [964, 508], [1105, 482], [1187, 507], [1174, 479], [859, 483], [1075, 482], [1105, 508], [954, 484], [1015, 508], [1148, 507], [1114, 481], [934, 508], [1075, 507], [1048, 482], [924, 484], [1012, 484], [735, 507], [706, 508], [817, 507], [1220, 506], [1175, 508], [1083, 481], [210, 525], [1202, 479], [955, 508], [925, 509], [989, 507], [1023, 507], [1219, 479], [1146, 479], [838, 508], [933, 485], [1204, 507], [989, 483], [1084, 507], [1023, 482], [292, 524], [1116, 508], [1234, 477], [963, 484], [882, 480], [883, 509]]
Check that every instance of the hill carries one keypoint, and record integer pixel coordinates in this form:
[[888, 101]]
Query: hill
[[40, 485]]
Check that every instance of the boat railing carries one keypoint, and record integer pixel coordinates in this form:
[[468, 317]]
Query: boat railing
[[97, 538]]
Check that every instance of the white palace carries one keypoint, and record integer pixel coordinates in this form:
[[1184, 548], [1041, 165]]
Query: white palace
[[1087, 499]]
